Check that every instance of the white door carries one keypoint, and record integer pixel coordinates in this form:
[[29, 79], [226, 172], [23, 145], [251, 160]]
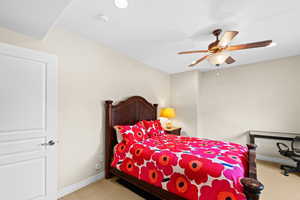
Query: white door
[[28, 160]]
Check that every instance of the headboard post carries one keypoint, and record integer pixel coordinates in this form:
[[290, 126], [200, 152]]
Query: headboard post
[[108, 138], [155, 106]]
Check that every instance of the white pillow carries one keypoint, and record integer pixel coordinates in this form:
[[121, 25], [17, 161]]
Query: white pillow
[[119, 137]]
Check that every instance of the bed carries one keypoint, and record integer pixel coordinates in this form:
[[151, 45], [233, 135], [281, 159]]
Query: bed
[[136, 109]]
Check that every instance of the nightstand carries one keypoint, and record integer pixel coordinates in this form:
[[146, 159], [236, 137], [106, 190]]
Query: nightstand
[[173, 131]]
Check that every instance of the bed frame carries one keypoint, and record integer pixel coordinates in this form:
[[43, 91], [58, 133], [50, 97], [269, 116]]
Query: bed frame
[[137, 108]]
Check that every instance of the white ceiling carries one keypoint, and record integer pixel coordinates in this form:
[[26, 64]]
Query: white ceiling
[[31, 17], [153, 31]]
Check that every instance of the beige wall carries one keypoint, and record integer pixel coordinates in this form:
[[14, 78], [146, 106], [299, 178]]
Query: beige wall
[[184, 98], [88, 74], [262, 96]]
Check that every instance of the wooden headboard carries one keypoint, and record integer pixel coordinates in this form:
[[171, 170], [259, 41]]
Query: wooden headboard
[[127, 112]]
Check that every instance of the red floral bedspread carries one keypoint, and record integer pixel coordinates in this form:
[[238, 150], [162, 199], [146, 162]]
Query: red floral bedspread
[[190, 167]]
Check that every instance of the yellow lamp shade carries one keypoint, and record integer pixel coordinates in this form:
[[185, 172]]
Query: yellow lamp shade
[[167, 113]]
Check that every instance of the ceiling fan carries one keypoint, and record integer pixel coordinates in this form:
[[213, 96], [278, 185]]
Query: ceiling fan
[[217, 50]]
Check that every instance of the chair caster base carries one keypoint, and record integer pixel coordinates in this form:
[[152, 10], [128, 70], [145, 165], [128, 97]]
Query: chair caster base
[[285, 173], [289, 169]]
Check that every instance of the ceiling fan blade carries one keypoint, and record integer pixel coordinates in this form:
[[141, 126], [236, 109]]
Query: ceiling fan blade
[[190, 52], [249, 45], [227, 37], [198, 61], [229, 60]]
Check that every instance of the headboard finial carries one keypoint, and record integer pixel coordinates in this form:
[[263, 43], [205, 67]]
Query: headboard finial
[[108, 102]]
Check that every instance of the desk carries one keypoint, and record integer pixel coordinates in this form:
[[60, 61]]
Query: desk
[[271, 135]]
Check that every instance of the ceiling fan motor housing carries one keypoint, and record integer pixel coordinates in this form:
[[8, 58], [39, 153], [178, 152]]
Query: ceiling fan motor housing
[[212, 46]]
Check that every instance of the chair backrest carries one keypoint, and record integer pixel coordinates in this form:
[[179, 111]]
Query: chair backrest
[[296, 145]]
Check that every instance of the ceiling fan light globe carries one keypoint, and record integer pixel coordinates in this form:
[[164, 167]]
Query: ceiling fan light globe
[[273, 44], [218, 58]]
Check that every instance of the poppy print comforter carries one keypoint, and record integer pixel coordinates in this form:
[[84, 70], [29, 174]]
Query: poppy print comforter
[[193, 168]]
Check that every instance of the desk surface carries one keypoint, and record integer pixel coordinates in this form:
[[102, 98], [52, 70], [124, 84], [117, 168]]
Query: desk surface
[[271, 135]]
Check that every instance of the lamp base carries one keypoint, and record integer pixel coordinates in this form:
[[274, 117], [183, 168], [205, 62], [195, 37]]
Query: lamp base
[[169, 125]]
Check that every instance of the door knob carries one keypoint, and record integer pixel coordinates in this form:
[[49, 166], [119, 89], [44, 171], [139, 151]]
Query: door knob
[[50, 143]]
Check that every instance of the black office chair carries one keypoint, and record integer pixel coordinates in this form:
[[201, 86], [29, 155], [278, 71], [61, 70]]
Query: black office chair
[[293, 153]]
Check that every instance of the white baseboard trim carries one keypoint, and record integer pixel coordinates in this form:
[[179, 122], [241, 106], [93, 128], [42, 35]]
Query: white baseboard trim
[[76, 186], [275, 160]]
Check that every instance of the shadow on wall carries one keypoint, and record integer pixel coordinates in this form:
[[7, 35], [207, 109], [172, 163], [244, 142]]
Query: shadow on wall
[[241, 138], [102, 132], [184, 133]]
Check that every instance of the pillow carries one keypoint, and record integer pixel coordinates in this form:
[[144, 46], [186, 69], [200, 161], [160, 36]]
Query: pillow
[[153, 128], [131, 134]]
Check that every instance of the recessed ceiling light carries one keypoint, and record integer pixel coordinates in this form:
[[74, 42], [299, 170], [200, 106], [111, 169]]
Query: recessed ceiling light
[[121, 3]]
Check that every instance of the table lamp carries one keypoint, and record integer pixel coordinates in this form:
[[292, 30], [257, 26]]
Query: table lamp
[[168, 113]]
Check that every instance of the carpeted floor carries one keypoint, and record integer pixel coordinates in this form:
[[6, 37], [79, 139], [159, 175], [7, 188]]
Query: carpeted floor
[[277, 187]]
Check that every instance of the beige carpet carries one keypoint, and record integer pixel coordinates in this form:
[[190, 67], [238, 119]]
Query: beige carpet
[[277, 187]]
